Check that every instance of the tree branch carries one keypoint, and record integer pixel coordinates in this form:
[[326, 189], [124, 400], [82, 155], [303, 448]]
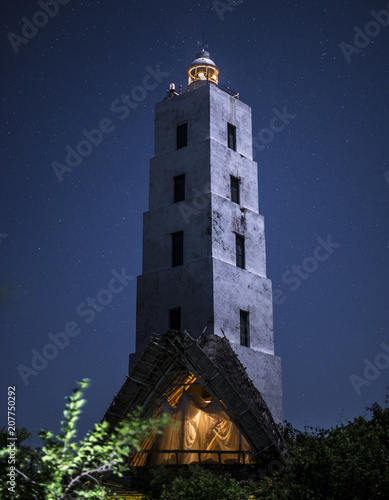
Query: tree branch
[[83, 475], [33, 482]]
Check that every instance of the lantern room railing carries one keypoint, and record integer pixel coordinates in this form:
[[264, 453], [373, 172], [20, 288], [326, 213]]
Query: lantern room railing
[[229, 91], [200, 83]]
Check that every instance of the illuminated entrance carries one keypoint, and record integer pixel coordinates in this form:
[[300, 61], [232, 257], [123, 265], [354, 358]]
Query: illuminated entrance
[[201, 432]]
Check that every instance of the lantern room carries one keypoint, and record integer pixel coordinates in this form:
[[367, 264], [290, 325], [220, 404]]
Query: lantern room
[[203, 69]]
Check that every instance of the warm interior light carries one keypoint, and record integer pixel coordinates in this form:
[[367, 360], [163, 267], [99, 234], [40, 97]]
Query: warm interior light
[[201, 75], [203, 432]]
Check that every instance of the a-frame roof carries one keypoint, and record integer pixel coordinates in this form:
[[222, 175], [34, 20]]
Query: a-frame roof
[[167, 362]]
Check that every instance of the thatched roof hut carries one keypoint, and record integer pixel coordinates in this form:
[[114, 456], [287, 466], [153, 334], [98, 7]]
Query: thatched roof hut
[[223, 417]]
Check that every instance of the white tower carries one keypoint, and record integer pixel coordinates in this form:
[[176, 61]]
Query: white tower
[[204, 261]]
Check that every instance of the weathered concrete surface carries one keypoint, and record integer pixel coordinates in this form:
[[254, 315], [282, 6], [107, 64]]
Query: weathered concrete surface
[[189, 287], [227, 109], [191, 107], [235, 289], [228, 219], [226, 162], [186, 161], [265, 372]]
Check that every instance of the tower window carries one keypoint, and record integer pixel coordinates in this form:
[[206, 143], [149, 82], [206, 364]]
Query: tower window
[[182, 135], [231, 133], [178, 248], [175, 319], [235, 190], [244, 329], [179, 188], [240, 253]]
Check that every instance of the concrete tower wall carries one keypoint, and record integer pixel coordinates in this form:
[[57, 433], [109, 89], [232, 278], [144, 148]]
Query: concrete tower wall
[[190, 289], [191, 107], [224, 109], [182, 161], [234, 292], [226, 162], [209, 287]]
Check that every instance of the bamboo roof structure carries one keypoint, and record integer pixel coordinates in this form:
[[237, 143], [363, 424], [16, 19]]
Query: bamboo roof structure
[[173, 360]]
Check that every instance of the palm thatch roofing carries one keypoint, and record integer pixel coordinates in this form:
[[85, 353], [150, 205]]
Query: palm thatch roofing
[[165, 365]]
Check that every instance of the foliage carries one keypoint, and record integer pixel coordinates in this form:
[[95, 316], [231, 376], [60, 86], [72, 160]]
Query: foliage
[[64, 469], [348, 462], [28, 461], [197, 484]]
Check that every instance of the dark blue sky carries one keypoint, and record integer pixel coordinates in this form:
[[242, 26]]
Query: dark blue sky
[[322, 176]]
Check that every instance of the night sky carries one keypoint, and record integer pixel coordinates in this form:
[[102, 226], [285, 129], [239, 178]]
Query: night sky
[[323, 178]]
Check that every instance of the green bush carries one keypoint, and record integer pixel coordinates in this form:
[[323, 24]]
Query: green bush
[[64, 468], [347, 462], [197, 483]]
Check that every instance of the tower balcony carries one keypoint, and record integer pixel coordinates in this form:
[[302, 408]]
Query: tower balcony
[[208, 81]]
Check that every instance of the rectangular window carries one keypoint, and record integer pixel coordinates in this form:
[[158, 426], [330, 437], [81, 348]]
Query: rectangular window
[[179, 188], [240, 256], [235, 190], [182, 135], [175, 319], [244, 329], [178, 248], [231, 132]]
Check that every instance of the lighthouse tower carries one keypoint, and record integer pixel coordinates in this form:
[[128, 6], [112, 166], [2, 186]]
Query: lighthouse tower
[[204, 258]]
